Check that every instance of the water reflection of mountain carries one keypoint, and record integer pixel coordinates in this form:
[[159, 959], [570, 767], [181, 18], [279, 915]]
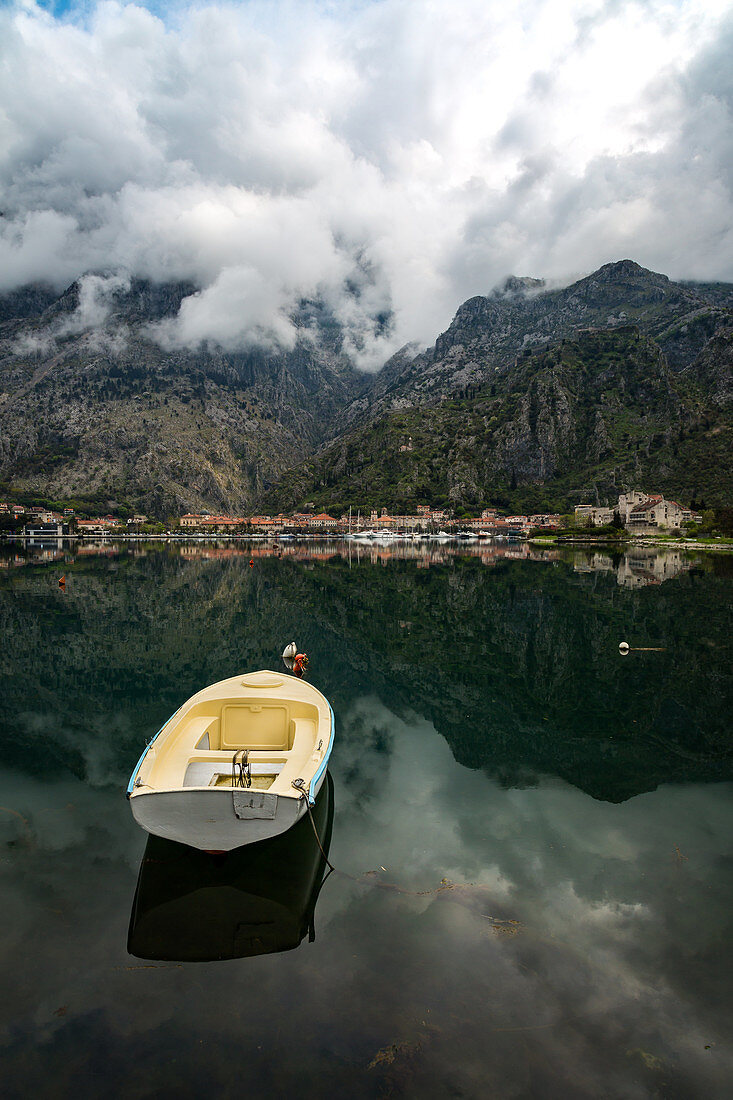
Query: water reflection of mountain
[[193, 907], [517, 665]]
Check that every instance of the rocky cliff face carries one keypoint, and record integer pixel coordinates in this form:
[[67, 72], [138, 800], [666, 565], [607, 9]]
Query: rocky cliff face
[[488, 334], [713, 371], [622, 376], [108, 415], [579, 420]]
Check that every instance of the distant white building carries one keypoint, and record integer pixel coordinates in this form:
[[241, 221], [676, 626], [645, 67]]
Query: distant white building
[[42, 530], [591, 515]]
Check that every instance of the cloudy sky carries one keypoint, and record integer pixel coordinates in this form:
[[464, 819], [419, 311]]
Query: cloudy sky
[[396, 155]]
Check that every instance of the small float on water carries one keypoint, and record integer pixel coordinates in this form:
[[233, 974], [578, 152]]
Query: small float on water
[[240, 761]]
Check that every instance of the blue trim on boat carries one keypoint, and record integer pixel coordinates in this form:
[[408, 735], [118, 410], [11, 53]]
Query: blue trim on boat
[[324, 763], [131, 784]]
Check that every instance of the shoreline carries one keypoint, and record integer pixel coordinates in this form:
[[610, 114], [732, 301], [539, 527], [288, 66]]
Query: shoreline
[[626, 544], [537, 540]]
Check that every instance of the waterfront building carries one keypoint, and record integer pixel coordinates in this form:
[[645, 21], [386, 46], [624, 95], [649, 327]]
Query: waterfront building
[[43, 531], [642, 513], [591, 515], [545, 519], [653, 513], [100, 525]]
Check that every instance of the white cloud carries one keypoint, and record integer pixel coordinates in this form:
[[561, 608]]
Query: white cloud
[[417, 152]]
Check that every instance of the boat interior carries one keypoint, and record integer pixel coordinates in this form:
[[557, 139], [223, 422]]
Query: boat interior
[[281, 737]]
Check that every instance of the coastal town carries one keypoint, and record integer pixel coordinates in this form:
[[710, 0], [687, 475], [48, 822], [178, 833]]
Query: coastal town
[[637, 512]]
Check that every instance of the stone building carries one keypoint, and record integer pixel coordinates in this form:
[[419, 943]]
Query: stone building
[[642, 513], [649, 515], [591, 515]]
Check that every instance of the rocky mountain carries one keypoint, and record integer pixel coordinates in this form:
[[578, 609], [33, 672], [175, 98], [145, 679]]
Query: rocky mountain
[[534, 397], [106, 415], [537, 399], [596, 413], [488, 334]]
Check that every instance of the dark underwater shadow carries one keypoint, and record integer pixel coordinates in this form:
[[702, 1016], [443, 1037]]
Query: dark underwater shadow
[[193, 907]]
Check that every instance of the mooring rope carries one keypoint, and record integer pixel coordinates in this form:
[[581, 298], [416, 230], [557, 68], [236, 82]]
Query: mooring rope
[[299, 785]]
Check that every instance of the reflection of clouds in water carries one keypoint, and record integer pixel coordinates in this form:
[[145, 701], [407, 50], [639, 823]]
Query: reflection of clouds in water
[[94, 738], [62, 815], [614, 962], [69, 853], [626, 892], [401, 802]]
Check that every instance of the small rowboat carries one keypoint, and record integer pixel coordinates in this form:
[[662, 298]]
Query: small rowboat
[[239, 762]]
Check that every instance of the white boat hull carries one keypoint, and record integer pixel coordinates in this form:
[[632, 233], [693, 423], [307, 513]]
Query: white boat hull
[[206, 819]]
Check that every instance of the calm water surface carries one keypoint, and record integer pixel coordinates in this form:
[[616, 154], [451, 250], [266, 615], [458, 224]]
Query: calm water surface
[[531, 833]]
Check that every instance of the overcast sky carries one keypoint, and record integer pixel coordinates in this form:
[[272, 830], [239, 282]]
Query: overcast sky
[[398, 155]]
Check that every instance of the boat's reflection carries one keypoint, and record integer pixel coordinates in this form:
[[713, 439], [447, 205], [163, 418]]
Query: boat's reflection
[[194, 907]]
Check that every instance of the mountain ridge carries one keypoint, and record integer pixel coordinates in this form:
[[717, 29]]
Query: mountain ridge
[[108, 412], [587, 417]]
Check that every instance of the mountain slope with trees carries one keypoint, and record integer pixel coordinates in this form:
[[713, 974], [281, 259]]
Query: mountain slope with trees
[[113, 417], [596, 413], [533, 398]]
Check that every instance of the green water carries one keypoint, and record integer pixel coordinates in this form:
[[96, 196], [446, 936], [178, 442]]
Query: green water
[[531, 833]]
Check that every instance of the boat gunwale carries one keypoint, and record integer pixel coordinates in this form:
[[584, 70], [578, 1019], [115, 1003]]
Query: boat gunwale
[[324, 762], [130, 786]]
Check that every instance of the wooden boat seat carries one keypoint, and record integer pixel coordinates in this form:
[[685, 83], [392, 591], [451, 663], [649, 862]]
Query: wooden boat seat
[[201, 764], [304, 732]]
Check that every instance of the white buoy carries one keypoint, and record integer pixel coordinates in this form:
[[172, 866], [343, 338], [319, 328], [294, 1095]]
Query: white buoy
[[290, 650], [623, 648]]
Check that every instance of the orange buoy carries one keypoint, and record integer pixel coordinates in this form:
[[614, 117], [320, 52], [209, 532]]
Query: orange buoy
[[300, 664], [251, 562], [62, 581]]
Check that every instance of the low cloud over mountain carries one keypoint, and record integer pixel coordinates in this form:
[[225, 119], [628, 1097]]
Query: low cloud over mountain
[[390, 158]]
